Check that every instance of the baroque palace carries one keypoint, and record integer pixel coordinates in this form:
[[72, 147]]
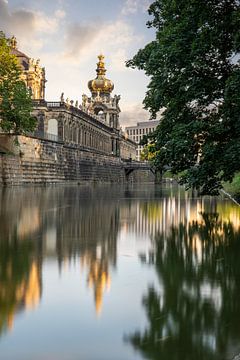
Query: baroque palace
[[72, 142], [92, 125]]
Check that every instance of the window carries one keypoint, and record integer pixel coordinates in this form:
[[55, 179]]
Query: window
[[52, 127]]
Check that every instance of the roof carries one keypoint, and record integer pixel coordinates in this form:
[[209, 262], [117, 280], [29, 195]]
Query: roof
[[141, 124], [18, 53]]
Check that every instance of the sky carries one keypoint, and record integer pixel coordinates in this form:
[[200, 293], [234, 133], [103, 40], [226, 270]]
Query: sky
[[68, 35]]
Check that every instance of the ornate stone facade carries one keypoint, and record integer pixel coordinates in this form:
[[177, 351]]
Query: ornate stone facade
[[57, 121], [94, 125], [101, 102], [32, 73]]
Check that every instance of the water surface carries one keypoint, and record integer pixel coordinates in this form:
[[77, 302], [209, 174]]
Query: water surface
[[113, 273]]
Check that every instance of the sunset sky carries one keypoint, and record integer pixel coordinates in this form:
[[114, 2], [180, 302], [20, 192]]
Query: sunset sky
[[67, 36]]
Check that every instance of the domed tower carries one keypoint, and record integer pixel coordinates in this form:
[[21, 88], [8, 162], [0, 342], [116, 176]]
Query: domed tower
[[101, 86], [101, 103], [32, 73]]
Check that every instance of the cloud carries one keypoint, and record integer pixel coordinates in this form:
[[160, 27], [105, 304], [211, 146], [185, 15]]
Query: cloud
[[28, 25], [132, 114], [134, 6], [60, 14], [19, 21], [69, 50], [78, 38], [118, 60], [111, 38]]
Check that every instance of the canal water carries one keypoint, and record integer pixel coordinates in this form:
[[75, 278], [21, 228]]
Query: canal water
[[113, 273]]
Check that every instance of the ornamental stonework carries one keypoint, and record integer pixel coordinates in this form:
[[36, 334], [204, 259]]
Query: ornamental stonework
[[32, 73]]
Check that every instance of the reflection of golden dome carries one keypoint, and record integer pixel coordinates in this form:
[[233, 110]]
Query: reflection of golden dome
[[33, 290], [101, 84]]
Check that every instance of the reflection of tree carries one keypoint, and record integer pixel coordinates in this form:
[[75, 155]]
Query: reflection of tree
[[196, 313], [20, 281]]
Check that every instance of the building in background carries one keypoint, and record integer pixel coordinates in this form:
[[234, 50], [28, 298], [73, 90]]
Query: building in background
[[136, 133]]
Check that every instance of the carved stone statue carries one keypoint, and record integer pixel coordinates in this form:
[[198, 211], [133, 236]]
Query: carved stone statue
[[116, 100], [62, 97], [67, 103], [84, 100]]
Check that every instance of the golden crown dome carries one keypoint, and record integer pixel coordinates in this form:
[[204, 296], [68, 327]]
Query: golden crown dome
[[100, 83]]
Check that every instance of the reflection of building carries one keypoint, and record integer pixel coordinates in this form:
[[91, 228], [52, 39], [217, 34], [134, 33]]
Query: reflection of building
[[93, 225], [89, 234], [98, 276], [72, 223], [136, 133], [32, 73], [90, 231], [33, 287], [20, 289]]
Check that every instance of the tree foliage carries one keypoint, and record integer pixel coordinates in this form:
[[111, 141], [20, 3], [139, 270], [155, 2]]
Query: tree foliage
[[15, 98], [195, 77]]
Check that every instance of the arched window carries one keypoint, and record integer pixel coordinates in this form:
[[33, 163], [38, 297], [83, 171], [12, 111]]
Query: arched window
[[52, 127], [98, 111]]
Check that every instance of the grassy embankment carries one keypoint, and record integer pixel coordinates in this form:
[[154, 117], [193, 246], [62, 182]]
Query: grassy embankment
[[232, 188]]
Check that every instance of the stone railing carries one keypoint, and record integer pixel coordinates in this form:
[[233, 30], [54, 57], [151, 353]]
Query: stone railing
[[45, 136], [62, 105]]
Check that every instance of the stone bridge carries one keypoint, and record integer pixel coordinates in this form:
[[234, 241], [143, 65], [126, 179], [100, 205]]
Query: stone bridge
[[130, 166]]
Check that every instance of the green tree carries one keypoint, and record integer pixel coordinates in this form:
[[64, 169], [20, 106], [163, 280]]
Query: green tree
[[15, 98], [195, 77], [148, 152]]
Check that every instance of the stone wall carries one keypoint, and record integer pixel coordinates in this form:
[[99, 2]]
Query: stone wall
[[38, 161]]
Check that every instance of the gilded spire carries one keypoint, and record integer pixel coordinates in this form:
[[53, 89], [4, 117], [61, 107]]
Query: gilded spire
[[101, 65], [101, 84]]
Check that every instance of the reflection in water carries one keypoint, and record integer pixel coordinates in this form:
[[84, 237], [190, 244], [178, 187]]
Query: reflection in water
[[86, 225], [98, 276], [194, 242], [20, 281], [196, 312]]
